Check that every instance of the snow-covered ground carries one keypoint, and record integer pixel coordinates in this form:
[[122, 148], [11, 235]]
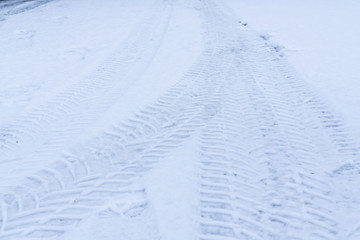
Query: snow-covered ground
[[178, 119], [321, 39]]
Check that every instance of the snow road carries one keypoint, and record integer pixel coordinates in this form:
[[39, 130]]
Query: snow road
[[238, 147]]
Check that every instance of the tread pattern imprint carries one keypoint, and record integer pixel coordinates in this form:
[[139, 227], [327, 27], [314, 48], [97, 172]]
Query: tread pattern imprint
[[269, 149]]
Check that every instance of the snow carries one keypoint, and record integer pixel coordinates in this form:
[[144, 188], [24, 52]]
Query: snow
[[181, 52], [44, 50], [179, 120], [321, 39], [177, 177]]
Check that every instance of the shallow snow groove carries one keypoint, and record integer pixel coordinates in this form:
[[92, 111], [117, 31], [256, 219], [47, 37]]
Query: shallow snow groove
[[268, 145]]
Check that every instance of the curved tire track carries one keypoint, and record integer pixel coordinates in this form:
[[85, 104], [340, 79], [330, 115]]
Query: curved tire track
[[79, 105], [262, 147]]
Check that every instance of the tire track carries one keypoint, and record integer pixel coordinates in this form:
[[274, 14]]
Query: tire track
[[45, 131], [54, 200], [33, 208], [281, 138], [262, 148]]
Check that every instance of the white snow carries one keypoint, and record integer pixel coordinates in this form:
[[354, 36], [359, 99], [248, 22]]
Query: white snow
[[321, 39], [177, 178], [183, 119], [48, 48]]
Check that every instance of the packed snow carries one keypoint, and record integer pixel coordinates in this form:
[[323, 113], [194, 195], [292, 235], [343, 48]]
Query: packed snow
[[179, 119]]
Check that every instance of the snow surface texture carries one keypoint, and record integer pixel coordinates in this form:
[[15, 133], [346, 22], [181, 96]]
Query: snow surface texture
[[164, 120], [320, 38]]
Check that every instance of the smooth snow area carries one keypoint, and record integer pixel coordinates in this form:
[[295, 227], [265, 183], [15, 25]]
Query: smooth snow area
[[179, 120], [321, 38]]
